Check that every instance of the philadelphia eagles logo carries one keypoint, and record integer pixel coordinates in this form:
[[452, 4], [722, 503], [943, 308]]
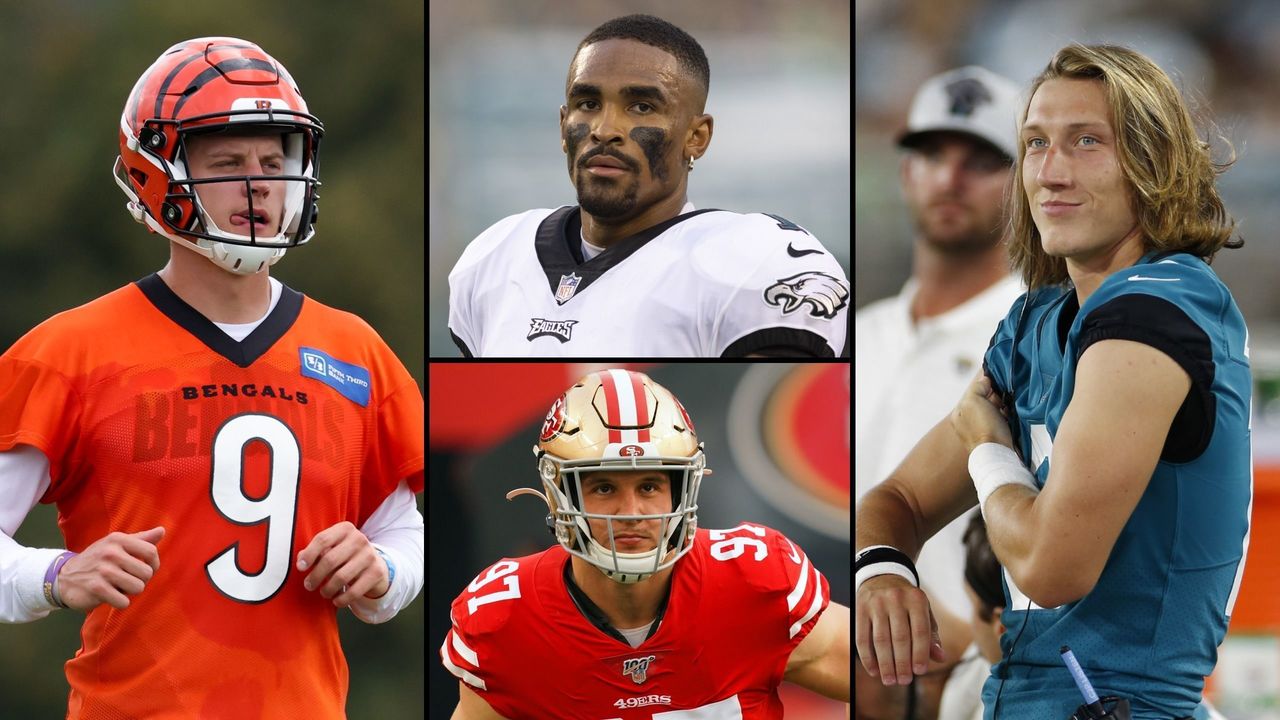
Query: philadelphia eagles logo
[[823, 293]]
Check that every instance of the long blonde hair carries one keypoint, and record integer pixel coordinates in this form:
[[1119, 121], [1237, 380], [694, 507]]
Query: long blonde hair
[[1167, 165]]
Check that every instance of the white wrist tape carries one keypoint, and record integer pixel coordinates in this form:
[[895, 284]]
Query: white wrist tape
[[882, 568], [992, 466], [882, 560]]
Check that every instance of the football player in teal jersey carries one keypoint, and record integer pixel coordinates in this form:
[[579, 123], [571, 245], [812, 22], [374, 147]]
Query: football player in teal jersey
[[1107, 438]]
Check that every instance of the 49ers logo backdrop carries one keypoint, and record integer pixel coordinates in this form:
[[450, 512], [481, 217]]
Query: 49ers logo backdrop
[[789, 434]]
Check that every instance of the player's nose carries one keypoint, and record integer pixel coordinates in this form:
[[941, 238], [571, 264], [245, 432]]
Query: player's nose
[[606, 127], [631, 503]]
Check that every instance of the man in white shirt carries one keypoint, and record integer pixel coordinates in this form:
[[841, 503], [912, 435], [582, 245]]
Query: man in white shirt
[[918, 351], [634, 269]]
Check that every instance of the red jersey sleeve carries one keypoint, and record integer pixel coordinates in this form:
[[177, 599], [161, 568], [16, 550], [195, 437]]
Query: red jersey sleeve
[[787, 593], [478, 616], [808, 593]]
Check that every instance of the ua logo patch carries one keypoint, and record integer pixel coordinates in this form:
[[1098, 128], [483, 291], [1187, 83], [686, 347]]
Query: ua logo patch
[[637, 668], [823, 293], [561, 330]]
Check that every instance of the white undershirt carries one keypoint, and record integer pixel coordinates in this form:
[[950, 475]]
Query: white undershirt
[[240, 331], [635, 636], [589, 251]]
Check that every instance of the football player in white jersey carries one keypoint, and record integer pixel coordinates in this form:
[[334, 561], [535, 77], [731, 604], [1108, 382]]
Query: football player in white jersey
[[634, 269]]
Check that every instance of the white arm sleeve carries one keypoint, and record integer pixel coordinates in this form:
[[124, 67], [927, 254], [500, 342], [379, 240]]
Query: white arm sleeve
[[24, 478], [395, 528]]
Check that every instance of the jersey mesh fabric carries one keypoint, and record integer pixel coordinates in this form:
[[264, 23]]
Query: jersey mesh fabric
[[131, 410]]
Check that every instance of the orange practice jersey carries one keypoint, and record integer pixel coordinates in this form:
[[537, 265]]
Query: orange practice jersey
[[150, 415]]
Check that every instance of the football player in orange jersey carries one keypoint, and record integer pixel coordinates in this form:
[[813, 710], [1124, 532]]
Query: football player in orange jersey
[[232, 461], [637, 612]]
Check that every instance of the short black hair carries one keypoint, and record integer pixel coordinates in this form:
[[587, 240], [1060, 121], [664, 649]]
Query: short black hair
[[658, 33], [982, 568]]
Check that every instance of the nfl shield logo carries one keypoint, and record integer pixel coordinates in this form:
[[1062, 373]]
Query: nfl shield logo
[[637, 668], [568, 286]]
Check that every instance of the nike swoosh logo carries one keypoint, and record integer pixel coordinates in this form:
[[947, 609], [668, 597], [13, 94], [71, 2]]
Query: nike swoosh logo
[[1144, 277], [800, 253]]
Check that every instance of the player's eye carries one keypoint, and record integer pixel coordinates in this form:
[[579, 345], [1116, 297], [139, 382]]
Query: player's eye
[[1036, 143], [1091, 140], [647, 108], [582, 104]]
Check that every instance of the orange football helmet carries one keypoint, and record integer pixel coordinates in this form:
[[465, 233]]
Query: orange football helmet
[[619, 420], [211, 85]]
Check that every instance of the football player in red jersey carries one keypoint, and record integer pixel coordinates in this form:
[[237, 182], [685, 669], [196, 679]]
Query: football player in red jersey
[[636, 612], [231, 461]]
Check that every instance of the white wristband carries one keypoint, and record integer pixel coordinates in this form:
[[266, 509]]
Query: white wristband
[[882, 568], [992, 466]]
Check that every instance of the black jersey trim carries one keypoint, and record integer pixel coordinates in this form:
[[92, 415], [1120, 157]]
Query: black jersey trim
[[242, 353], [593, 613], [556, 241], [780, 342], [1161, 324], [466, 351]]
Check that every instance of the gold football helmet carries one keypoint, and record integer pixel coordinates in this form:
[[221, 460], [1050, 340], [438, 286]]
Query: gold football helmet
[[619, 420]]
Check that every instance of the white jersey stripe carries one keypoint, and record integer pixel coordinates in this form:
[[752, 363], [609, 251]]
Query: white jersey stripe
[[1244, 550], [814, 607], [626, 398], [801, 584], [467, 653], [462, 674]]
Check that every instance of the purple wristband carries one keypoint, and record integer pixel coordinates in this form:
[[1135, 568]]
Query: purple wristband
[[51, 578]]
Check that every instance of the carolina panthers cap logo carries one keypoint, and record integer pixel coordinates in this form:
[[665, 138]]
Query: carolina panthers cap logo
[[966, 94]]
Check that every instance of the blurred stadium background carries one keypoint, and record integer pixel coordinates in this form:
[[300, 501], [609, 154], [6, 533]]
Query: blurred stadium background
[[779, 96], [777, 437], [66, 67], [1226, 55]]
